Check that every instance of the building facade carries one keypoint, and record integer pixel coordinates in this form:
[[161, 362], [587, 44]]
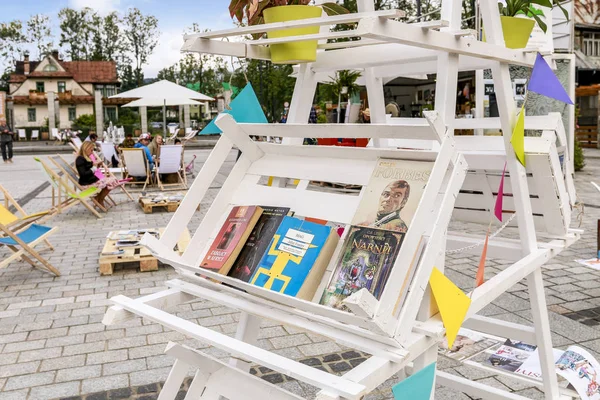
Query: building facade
[[71, 83]]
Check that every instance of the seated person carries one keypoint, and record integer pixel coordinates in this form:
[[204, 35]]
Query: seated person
[[154, 147], [128, 143], [143, 144], [87, 176]]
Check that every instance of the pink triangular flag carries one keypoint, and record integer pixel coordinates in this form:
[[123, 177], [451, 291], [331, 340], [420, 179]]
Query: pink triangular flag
[[498, 207]]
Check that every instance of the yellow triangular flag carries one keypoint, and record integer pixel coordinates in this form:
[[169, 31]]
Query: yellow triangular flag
[[451, 301], [518, 137]]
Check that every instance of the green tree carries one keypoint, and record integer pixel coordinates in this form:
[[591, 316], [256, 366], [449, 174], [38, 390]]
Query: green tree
[[272, 84], [141, 37], [107, 38], [40, 34], [11, 41], [77, 32]]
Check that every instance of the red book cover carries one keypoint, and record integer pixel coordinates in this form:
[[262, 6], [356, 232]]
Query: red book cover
[[231, 238]]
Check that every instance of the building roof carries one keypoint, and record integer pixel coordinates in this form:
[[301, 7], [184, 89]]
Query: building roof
[[80, 71]]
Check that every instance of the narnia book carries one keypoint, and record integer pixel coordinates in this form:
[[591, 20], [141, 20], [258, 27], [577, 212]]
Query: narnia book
[[258, 242], [296, 258], [231, 238], [365, 261], [393, 194]]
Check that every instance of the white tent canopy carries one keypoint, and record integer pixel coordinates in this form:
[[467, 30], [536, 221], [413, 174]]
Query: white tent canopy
[[162, 94], [163, 89], [159, 102]]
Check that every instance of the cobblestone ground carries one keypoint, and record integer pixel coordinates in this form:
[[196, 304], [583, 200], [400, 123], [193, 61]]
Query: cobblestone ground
[[53, 344]]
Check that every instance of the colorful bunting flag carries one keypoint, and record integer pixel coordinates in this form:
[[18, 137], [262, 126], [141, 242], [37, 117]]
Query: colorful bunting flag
[[518, 137], [417, 386], [543, 81], [480, 277], [244, 108], [451, 301], [499, 198]]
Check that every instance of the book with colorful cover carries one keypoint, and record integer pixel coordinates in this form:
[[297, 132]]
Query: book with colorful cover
[[231, 238], [258, 242], [296, 259], [366, 260], [393, 194]]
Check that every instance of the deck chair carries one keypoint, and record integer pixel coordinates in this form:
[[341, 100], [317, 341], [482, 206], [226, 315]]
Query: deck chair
[[75, 144], [20, 234], [22, 135], [108, 152], [189, 134], [73, 196], [35, 134], [72, 176], [171, 162], [137, 166]]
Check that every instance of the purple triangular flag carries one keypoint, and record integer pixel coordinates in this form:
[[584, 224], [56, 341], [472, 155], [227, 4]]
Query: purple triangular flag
[[544, 82]]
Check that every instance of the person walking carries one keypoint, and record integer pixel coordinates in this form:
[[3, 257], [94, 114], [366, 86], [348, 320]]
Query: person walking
[[6, 138]]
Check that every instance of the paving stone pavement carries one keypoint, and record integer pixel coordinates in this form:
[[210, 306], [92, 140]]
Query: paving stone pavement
[[53, 344]]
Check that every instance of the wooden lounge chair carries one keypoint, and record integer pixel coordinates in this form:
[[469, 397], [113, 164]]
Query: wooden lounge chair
[[73, 196], [72, 176], [171, 162], [22, 134], [69, 169], [20, 234], [35, 134], [75, 144], [137, 166]]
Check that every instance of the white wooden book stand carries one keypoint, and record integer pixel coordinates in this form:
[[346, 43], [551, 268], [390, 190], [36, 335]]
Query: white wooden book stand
[[402, 334]]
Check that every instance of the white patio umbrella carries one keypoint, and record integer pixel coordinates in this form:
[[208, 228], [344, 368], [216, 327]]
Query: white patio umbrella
[[160, 92]]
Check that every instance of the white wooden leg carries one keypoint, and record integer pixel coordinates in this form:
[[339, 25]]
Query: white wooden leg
[[542, 330], [174, 381], [197, 386], [247, 331]]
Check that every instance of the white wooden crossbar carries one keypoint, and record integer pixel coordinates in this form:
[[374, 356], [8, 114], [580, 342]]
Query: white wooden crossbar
[[301, 23], [408, 128], [236, 348]]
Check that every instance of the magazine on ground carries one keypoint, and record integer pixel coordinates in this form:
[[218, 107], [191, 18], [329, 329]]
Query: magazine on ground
[[575, 364], [591, 263], [468, 343], [580, 368]]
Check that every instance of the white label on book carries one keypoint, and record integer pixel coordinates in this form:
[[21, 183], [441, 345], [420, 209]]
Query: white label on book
[[300, 236], [295, 243], [292, 250]]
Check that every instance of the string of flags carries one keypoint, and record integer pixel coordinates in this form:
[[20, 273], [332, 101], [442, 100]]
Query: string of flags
[[542, 81]]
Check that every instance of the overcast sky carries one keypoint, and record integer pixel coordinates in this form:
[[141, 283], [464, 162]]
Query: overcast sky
[[173, 17]]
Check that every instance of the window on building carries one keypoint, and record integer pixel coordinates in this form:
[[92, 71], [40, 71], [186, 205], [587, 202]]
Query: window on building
[[62, 87], [31, 116], [50, 68], [107, 90], [111, 114], [39, 87], [591, 44], [72, 113]]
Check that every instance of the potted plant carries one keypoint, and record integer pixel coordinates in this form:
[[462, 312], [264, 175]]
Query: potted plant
[[517, 23], [344, 83], [256, 12]]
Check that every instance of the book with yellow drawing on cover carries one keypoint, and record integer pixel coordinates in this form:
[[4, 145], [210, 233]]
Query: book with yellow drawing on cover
[[296, 258]]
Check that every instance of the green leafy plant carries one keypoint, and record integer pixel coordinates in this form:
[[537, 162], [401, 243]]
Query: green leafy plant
[[345, 78], [251, 11], [515, 7]]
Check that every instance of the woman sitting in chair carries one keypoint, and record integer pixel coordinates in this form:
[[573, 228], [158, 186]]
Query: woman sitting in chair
[[154, 147], [87, 175]]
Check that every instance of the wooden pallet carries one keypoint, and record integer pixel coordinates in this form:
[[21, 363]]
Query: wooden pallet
[[138, 254], [587, 136], [148, 205]]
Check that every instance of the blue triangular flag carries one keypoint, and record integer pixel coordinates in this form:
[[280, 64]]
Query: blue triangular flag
[[544, 82], [244, 108], [418, 386]]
